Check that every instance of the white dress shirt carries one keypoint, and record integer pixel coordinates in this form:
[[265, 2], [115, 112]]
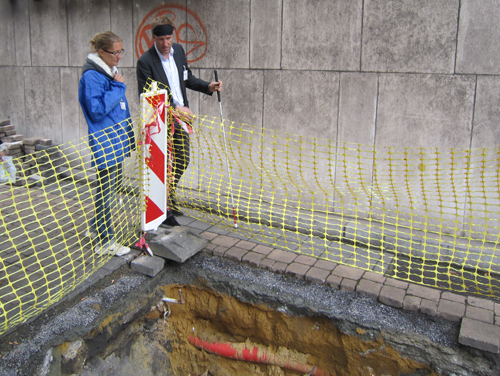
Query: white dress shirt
[[172, 74]]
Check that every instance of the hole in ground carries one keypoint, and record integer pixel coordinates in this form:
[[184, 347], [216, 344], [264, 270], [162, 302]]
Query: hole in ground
[[209, 332]]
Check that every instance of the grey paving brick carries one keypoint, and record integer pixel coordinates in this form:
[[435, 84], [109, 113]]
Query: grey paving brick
[[497, 309], [264, 249], [207, 251], [451, 310], [370, 288], [279, 267], [324, 264], [200, 225], [209, 248], [428, 307], [396, 283], [348, 284], [297, 270], [453, 297], [479, 314], [220, 251], [282, 256], [114, 263], [392, 296], [317, 275], [147, 265], [219, 230], [98, 275], [480, 335], [334, 281], [375, 277], [225, 241], [497, 320], [208, 235], [424, 292], [253, 258], [348, 272], [411, 303], [481, 303], [235, 253], [307, 260], [267, 264], [244, 244]]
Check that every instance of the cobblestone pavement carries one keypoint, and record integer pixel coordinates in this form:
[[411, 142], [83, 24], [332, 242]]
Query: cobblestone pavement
[[479, 316]]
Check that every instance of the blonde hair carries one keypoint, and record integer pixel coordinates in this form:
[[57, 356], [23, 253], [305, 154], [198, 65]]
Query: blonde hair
[[104, 41], [162, 20]]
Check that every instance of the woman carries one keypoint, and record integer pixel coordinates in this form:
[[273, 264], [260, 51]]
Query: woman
[[111, 137]]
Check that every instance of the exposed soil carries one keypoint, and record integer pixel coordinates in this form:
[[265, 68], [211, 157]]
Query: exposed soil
[[312, 341]]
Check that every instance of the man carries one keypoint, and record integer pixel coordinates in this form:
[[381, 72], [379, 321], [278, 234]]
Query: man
[[166, 62]]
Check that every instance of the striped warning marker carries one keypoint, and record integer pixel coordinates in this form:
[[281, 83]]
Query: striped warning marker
[[154, 157]]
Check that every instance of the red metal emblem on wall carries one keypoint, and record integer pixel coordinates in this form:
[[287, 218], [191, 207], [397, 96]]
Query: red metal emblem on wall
[[191, 33]]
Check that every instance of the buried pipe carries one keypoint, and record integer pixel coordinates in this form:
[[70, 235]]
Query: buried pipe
[[239, 351]]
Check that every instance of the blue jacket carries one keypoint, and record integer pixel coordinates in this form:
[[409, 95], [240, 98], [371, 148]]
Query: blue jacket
[[105, 107]]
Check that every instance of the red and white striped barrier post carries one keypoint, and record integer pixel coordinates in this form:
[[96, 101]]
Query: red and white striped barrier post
[[154, 158]]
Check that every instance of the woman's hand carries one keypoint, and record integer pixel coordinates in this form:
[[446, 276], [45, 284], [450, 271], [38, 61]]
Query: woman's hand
[[119, 77]]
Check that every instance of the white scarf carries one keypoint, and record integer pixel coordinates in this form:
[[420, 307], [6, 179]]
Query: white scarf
[[96, 58]]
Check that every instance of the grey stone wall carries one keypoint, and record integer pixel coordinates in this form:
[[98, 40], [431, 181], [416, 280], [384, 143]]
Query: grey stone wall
[[376, 72], [367, 71]]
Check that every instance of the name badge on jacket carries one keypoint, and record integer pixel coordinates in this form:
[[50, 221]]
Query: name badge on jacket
[[122, 104], [185, 73]]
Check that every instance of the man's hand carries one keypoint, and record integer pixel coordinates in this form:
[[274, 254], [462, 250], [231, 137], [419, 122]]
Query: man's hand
[[215, 86], [184, 113]]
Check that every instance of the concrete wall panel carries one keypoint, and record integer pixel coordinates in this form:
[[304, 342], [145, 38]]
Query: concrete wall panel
[[357, 107], [486, 131], [70, 107], [409, 36], [7, 41], [425, 110], [12, 98], [227, 23], [43, 103], [289, 107], [357, 114], [321, 34], [121, 21], [22, 32], [297, 118], [85, 19], [130, 77], [241, 96], [478, 48], [265, 34], [49, 33]]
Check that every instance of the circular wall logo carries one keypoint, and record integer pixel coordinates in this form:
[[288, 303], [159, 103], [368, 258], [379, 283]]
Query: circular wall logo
[[191, 33]]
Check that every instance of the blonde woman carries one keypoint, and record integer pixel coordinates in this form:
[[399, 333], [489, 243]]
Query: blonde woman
[[111, 137]]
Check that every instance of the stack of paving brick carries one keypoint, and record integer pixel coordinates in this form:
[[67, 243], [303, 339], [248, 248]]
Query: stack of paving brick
[[13, 140], [21, 150]]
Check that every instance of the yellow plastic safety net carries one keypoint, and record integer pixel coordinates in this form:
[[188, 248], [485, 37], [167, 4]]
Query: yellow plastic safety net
[[426, 215]]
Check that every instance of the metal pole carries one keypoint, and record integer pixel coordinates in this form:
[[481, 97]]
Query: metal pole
[[227, 158]]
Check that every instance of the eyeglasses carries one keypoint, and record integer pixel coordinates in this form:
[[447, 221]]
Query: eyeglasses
[[121, 52]]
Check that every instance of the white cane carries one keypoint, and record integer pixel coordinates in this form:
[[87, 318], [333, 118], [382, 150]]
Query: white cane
[[227, 158]]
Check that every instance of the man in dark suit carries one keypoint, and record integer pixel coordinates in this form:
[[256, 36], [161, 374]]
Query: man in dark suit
[[166, 62]]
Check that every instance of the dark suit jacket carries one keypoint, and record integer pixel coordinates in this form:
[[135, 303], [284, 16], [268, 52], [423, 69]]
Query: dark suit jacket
[[149, 66]]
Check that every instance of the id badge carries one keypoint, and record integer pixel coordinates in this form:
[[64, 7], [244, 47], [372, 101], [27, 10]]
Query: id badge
[[122, 105], [185, 73]]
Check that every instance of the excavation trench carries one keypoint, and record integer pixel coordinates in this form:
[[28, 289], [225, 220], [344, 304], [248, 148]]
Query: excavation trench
[[224, 336], [235, 320]]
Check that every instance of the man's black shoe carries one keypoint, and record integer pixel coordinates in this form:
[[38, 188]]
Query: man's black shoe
[[170, 221]]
